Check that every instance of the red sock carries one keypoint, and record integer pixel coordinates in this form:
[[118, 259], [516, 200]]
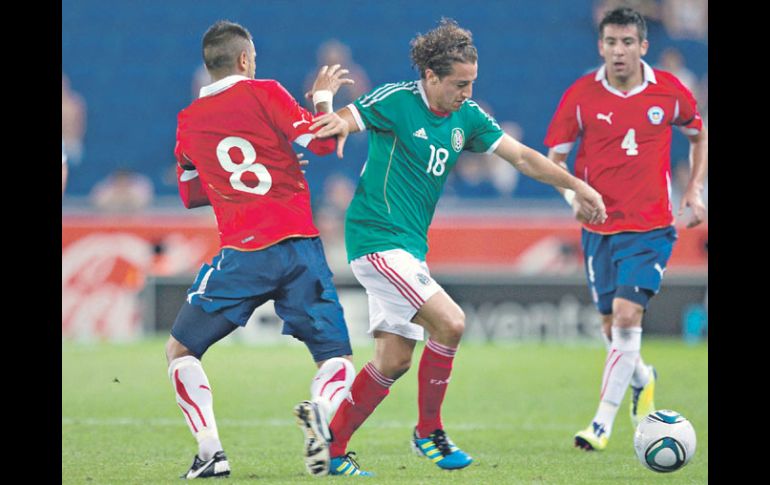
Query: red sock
[[369, 389], [432, 378]]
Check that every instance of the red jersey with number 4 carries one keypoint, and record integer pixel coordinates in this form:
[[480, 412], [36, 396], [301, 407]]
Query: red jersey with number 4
[[233, 149], [625, 146]]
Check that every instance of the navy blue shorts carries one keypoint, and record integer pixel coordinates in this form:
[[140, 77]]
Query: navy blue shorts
[[628, 265], [293, 273]]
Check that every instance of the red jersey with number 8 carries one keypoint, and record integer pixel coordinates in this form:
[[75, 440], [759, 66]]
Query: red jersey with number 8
[[625, 146], [233, 148]]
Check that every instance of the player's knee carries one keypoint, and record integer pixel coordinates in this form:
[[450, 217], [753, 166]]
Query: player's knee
[[401, 367], [175, 350], [454, 327], [626, 316], [394, 366]]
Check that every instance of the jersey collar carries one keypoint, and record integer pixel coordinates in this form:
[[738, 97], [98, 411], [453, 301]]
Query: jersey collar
[[647, 73], [221, 85]]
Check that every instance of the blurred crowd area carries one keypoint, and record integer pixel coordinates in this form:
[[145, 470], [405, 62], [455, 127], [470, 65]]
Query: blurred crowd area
[[128, 68]]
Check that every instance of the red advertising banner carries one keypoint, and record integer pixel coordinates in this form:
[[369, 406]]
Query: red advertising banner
[[535, 246], [106, 259]]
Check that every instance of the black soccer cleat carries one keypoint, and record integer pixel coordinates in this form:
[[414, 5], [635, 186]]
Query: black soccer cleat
[[216, 467]]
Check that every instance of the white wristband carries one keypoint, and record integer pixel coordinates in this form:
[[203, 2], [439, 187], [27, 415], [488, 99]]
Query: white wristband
[[322, 96], [569, 196]]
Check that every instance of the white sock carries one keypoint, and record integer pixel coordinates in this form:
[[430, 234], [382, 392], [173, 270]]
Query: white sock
[[618, 369], [331, 385], [605, 416], [194, 397], [641, 375]]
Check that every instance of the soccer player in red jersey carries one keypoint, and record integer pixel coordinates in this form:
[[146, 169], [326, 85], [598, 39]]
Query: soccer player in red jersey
[[234, 152], [624, 114]]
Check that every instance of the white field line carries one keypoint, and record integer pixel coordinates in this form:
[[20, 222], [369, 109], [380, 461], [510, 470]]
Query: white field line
[[258, 423]]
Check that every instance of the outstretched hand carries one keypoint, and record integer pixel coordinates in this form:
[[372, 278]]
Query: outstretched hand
[[329, 79]]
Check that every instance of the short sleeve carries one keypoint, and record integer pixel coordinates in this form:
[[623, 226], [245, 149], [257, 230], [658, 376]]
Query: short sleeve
[[485, 133], [378, 110], [286, 113], [294, 120], [687, 116], [564, 128]]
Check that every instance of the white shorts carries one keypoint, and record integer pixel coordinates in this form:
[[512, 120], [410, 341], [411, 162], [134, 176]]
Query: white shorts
[[398, 285]]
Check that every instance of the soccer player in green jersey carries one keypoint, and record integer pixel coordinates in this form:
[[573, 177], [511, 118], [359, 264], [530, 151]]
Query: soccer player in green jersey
[[417, 130]]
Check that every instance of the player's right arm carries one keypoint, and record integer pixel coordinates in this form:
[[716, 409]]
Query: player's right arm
[[693, 194], [190, 188], [339, 124], [691, 124]]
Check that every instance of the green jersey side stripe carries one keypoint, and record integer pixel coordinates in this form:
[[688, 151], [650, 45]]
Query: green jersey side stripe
[[387, 172], [382, 88]]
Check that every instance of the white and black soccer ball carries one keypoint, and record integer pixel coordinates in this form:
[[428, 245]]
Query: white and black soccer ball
[[664, 441]]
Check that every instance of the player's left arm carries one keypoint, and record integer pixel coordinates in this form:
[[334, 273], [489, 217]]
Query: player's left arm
[[693, 194], [534, 164], [690, 123], [295, 121]]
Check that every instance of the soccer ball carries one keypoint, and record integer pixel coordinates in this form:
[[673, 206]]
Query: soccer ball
[[664, 441]]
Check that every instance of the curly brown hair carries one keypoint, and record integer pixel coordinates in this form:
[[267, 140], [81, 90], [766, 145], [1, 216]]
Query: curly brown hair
[[441, 47]]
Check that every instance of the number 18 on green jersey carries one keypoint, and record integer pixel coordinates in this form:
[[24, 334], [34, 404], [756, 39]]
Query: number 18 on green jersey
[[411, 152]]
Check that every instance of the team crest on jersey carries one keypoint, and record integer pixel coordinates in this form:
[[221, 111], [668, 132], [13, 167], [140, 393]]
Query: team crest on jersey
[[424, 279], [458, 139], [655, 115]]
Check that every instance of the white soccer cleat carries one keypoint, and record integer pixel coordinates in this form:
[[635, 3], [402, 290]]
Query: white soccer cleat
[[317, 437]]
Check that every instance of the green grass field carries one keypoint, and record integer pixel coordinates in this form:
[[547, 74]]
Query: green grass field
[[513, 407]]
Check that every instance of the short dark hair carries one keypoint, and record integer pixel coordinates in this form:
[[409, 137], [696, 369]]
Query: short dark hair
[[441, 47], [624, 16], [223, 42]]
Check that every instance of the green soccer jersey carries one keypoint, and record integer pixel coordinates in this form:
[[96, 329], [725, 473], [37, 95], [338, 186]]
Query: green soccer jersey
[[411, 152]]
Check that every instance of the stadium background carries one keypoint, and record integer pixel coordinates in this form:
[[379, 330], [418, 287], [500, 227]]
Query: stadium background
[[512, 262]]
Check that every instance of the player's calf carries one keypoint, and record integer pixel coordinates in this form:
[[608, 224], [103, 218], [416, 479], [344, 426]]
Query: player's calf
[[330, 386]]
